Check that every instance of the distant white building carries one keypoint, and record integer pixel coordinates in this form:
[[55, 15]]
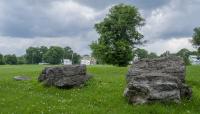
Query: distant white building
[[67, 62], [87, 60], [194, 59]]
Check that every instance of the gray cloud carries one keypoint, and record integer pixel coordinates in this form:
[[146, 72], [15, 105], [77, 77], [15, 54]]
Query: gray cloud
[[53, 19], [149, 4], [143, 4], [73, 20], [58, 18], [9, 45], [50, 18], [175, 20], [101, 4]]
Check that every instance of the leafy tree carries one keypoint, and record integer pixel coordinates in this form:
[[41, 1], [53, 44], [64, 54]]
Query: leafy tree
[[43, 50], [165, 54], [10, 59], [54, 55], [152, 55], [141, 53], [118, 35], [21, 60], [193, 53], [184, 53], [76, 58], [33, 55], [68, 53], [2, 62], [196, 38], [97, 50]]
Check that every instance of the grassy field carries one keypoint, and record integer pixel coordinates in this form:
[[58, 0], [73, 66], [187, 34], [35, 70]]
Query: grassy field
[[103, 94]]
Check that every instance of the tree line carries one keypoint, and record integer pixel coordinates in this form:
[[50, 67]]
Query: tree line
[[184, 53], [43, 54], [55, 55]]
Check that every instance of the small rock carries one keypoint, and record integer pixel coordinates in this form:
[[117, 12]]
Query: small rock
[[21, 78]]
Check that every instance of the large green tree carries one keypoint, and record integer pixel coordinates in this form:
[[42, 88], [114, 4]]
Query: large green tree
[[76, 58], [141, 53], [196, 38], [2, 62], [43, 50], [118, 35], [70, 54], [152, 55], [33, 55], [54, 55], [184, 53], [10, 59], [21, 60]]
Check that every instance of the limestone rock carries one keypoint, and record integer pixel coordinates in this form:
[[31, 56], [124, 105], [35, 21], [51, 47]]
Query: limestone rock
[[160, 79], [66, 76], [21, 78]]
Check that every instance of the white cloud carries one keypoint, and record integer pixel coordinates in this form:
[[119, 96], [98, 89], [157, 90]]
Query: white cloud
[[19, 45], [66, 12], [171, 26], [176, 19], [173, 45]]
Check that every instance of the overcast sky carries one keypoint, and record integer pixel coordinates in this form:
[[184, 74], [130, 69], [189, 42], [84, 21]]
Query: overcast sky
[[24, 23]]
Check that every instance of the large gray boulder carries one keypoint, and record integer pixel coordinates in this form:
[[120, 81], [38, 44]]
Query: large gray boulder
[[160, 79], [67, 76]]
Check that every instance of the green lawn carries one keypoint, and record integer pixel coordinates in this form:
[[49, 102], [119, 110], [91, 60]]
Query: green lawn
[[103, 94]]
